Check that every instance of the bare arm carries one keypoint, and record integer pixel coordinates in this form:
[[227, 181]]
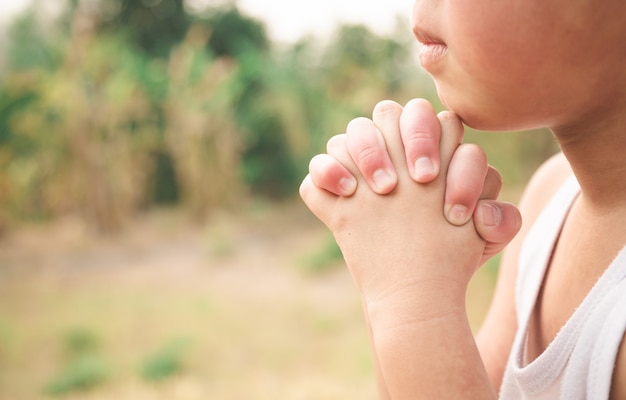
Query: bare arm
[[410, 265], [420, 330]]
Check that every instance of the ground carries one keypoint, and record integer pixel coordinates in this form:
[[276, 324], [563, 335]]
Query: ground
[[246, 306]]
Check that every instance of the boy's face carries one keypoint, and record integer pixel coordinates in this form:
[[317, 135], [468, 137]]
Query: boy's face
[[518, 64]]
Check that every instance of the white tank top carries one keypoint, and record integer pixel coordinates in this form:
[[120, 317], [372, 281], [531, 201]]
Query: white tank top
[[578, 363]]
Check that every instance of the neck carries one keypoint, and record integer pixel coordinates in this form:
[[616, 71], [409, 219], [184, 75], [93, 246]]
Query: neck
[[596, 151]]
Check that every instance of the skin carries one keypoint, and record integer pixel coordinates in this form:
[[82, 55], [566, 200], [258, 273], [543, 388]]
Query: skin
[[548, 65], [500, 65], [497, 224], [393, 268], [469, 186], [533, 67]]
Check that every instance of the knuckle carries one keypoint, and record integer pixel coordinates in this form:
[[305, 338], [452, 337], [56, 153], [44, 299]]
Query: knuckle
[[336, 141], [338, 225], [472, 153], [320, 174], [475, 149], [304, 188], [367, 154], [315, 162], [356, 122], [418, 137], [386, 107], [323, 171], [447, 116]]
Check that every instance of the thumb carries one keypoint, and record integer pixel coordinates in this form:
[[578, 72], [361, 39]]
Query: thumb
[[497, 223]]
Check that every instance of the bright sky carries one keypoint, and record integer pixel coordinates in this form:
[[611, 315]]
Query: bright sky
[[288, 20], [8, 8]]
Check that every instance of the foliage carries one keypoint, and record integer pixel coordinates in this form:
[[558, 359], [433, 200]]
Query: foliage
[[154, 26], [29, 46], [118, 106], [80, 341], [84, 370], [82, 373], [80, 137], [325, 258], [164, 363], [234, 34]]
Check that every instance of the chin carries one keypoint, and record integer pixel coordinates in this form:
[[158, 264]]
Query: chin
[[470, 115], [481, 122], [487, 118]]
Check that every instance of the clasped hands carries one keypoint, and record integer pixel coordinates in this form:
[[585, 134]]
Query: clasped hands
[[408, 203]]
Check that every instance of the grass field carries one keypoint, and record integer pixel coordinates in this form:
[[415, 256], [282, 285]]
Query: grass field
[[253, 306]]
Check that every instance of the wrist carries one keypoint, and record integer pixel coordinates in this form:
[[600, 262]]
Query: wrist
[[424, 344], [417, 302]]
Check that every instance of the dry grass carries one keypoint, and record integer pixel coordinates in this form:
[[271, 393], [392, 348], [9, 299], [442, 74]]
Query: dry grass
[[252, 320]]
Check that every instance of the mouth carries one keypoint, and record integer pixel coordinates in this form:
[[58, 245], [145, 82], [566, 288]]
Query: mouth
[[432, 54], [433, 50]]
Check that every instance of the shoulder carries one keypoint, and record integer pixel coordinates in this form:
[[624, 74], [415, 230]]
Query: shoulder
[[542, 187]]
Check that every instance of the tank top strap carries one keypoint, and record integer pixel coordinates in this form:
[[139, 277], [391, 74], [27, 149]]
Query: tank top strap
[[538, 245]]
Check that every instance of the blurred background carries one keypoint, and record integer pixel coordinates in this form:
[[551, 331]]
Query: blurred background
[[152, 244]]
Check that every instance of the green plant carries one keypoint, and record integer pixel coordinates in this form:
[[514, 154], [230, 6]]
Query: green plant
[[82, 373], [326, 257], [84, 369], [164, 363], [80, 342]]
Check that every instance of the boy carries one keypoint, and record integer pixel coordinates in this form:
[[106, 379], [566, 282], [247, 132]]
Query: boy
[[556, 325]]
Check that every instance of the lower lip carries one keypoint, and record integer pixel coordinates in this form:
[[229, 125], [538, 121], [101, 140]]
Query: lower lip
[[432, 54]]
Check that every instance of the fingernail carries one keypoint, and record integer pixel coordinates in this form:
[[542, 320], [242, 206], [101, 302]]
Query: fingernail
[[424, 167], [382, 180], [347, 186], [457, 215], [490, 215]]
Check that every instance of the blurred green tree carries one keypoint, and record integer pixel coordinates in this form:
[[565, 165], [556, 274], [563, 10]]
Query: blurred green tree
[[363, 67], [29, 46], [267, 166], [155, 26], [85, 130], [200, 131], [120, 105], [234, 34]]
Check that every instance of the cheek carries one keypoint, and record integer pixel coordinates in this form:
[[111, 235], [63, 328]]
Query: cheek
[[491, 43], [497, 68]]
